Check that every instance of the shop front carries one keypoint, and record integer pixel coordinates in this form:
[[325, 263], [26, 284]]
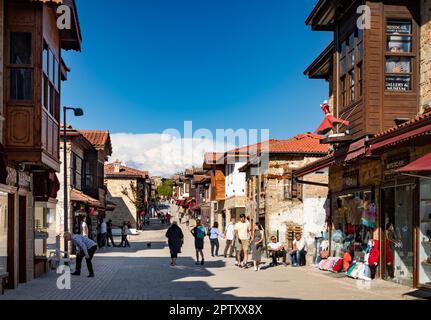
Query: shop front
[[398, 211], [84, 209]]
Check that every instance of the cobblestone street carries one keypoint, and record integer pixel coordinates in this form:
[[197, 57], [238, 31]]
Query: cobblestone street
[[141, 272]]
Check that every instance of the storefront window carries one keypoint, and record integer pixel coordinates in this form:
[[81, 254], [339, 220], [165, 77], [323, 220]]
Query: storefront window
[[425, 234], [397, 210], [354, 221], [46, 235], [3, 231]]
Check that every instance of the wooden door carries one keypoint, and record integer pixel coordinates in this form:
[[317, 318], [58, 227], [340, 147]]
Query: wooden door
[[11, 243]]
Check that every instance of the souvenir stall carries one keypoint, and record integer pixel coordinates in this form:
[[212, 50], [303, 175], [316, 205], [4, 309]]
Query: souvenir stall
[[350, 245]]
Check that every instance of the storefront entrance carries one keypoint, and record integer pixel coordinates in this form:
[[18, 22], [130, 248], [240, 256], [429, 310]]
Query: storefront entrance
[[398, 223], [22, 251]]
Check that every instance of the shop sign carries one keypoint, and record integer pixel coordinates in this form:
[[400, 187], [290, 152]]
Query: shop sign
[[351, 179], [392, 164]]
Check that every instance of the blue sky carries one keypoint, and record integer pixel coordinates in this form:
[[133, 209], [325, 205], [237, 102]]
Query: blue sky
[[149, 65]]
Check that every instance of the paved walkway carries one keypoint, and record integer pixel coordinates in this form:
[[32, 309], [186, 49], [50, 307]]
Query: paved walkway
[[143, 272]]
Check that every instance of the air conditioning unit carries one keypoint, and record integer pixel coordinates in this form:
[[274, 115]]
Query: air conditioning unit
[[215, 206]]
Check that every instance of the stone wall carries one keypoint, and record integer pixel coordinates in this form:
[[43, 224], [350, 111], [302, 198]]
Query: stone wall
[[125, 210], [425, 53]]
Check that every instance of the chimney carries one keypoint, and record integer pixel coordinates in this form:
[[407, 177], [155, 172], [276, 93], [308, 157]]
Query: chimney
[[117, 166]]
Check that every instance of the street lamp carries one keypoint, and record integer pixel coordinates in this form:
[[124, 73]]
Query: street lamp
[[78, 112]]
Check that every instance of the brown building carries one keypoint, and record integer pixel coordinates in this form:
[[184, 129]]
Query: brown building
[[379, 80], [32, 69]]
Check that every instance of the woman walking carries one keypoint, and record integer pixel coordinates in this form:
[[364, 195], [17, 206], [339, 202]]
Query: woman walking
[[257, 245], [199, 233], [124, 234], [175, 240], [214, 235]]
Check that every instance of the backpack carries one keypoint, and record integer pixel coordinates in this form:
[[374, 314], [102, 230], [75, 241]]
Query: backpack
[[200, 232]]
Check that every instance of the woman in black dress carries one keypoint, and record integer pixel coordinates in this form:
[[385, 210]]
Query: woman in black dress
[[175, 240]]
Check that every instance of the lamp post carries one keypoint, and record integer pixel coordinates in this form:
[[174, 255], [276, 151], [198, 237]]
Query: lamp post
[[78, 112]]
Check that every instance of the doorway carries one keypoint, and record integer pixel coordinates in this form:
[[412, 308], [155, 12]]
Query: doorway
[[398, 223], [22, 255]]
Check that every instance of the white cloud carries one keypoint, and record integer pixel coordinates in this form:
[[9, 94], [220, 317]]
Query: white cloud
[[162, 154]]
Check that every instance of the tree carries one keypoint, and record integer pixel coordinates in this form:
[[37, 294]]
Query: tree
[[134, 196], [166, 189]]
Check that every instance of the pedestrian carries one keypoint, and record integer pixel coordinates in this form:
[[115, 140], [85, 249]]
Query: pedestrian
[[124, 234], [109, 235], [175, 240], [85, 248], [103, 232], [229, 234], [168, 218], [257, 246], [242, 234], [84, 227], [214, 235], [199, 233]]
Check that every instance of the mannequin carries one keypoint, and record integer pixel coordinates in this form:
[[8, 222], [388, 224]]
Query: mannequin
[[374, 258]]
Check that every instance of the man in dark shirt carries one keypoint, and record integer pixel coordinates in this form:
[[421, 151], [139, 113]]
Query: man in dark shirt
[[109, 235]]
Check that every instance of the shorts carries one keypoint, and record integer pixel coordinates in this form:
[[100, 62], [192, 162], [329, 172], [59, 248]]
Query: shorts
[[242, 245], [199, 244]]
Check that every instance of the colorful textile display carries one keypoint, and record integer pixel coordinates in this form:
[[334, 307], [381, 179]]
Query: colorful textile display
[[369, 216], [338, 265], [347, 260]]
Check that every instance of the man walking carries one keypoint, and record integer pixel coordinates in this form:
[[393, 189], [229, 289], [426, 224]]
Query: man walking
[[103, 232], [242, 234], [109, 235], [229, 234], [86, 248]]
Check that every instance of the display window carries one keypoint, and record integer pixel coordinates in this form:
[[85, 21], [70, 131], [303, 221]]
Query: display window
[[3, 232], [354, 221], [46, 234], [397, 212], [425, 233]]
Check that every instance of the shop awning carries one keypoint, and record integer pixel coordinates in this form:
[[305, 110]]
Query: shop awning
[[420, 165], [78, 196], [350, 152]]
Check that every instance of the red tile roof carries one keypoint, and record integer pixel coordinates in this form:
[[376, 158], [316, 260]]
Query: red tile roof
[[125, 172], [302, 143], [418, 118], [212, 157], [99, 139], [79, 196]]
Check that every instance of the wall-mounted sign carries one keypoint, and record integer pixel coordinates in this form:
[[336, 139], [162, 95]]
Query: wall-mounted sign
[[351, 179], [393, 163]]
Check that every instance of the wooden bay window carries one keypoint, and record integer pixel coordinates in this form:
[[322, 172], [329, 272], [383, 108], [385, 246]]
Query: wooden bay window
[[399, 56]]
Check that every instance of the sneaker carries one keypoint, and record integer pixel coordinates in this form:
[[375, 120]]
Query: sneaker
[[76, 274], [236, 263], [202, 262], [256, 268], [91, 275]]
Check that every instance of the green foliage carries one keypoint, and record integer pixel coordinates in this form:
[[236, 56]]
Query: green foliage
[[166, 188]]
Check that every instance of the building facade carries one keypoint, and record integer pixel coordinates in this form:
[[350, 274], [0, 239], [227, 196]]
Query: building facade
[[277, 200], [129, 189], [374, 191], [32, 69]]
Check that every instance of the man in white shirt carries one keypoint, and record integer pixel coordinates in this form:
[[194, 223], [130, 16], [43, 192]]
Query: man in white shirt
[[299, 250], [276, 249], [86, 248], [103, 232], [229, 234], [242, 234], [84, 227]]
